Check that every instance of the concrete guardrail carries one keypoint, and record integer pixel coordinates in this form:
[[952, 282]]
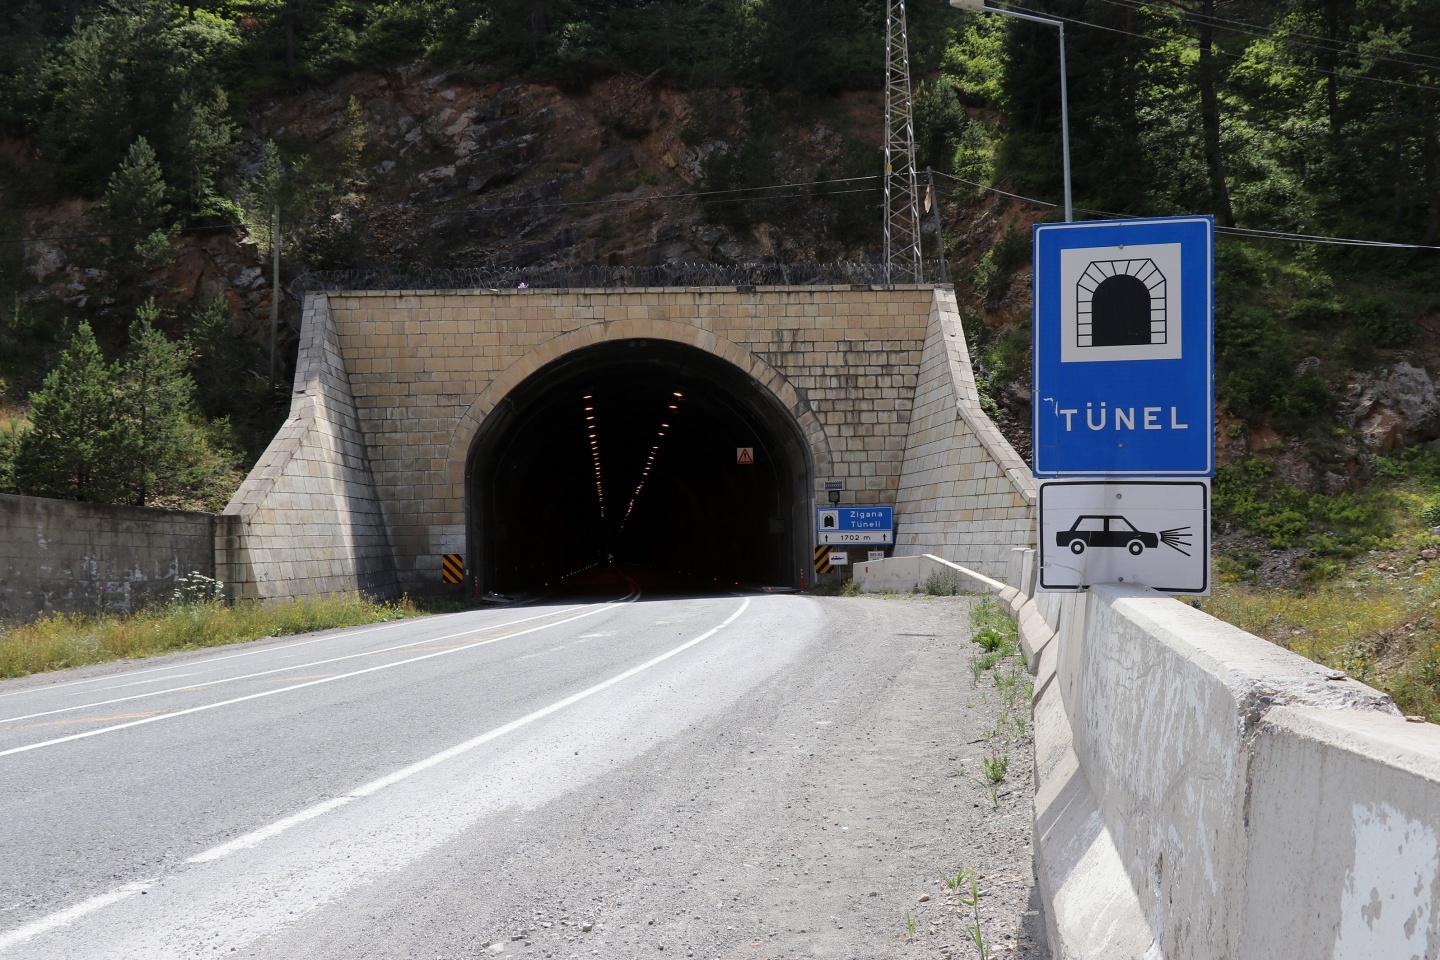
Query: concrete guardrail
[[1203, 793]]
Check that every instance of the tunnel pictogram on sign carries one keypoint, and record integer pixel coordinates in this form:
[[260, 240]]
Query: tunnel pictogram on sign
[[452, 568]]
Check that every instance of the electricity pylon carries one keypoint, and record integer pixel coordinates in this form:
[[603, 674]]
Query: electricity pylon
[[902, 192]]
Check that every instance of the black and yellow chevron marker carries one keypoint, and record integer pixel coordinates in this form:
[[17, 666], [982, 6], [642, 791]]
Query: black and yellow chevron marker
[[452, 567], [822, 559]]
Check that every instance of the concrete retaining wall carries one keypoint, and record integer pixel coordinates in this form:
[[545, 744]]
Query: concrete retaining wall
[[1203, 793], [58, 556], [910, 574], [307, 521]]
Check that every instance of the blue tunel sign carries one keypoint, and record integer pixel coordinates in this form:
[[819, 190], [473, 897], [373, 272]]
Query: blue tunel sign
[[1124, 345]]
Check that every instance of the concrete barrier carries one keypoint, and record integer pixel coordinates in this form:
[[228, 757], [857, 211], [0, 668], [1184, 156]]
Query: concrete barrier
[[1202, 793], [910, 574], [60, 556]]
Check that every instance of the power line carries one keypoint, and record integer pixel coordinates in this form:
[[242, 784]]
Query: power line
[[1428, 88], [1327, 44], [1230, 231], [540, 204]]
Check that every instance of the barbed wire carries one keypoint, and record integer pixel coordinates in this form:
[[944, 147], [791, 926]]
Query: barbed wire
[[601, 276]]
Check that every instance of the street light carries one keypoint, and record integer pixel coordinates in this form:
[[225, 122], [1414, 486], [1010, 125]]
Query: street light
[[979, 7]]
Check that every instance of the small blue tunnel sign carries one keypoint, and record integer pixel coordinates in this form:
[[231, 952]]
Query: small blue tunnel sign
[[1124, 348]]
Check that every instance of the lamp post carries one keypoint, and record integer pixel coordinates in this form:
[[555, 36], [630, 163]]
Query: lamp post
[[979, 6]]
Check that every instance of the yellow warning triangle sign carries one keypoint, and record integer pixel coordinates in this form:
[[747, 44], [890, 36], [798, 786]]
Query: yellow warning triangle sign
[[745, 455]]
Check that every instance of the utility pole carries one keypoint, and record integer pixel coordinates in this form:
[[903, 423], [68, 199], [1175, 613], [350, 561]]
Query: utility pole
[[274, 288], [932, 199], [902, 193]]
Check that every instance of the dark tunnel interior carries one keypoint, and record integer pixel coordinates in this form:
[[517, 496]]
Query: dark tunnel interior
[[626, 454]]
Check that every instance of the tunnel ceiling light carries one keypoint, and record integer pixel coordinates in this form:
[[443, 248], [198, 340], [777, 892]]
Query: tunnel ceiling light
[[679, 394]]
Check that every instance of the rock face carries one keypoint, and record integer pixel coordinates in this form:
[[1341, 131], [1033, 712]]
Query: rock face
[[464, 173], [1395, 408]]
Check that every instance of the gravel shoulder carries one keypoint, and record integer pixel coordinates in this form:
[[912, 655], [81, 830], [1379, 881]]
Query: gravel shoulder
[[818, 818]]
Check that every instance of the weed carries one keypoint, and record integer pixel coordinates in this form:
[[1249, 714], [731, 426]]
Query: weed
[[972, 930], [990, 639], [196, 588], [851, 589], [987, 616], [977, 669], [996, 766], [942, 583], [910, 934]]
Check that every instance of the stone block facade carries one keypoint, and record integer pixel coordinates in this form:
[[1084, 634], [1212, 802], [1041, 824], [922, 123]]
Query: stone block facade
[[58, 556], [964, 494], [307, 520], [366, 485]]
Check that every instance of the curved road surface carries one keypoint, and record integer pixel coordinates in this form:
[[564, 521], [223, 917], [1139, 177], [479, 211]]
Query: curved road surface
[[712, 776]]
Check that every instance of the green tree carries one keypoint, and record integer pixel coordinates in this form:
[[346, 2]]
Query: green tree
[[135, 208], [122, 74], [314, 193], [77, 446], [202, 136], [156, 398]]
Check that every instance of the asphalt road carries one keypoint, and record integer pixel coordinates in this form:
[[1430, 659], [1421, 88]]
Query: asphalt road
[[716, 776]]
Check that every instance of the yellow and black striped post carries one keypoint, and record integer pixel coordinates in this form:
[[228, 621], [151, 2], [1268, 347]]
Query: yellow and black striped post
[[452, 567], [822, 560]]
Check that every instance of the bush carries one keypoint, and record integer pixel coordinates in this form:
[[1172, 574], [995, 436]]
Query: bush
[[1342, 524], [942, 583], [1380, 322]]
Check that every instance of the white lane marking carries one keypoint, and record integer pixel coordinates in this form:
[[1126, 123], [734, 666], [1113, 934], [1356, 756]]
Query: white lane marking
[[141, 683], [296, 686], [368, 628], [375, 786], [71, 914], [285, 669]]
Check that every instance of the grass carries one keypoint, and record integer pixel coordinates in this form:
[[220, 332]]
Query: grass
[[71, 640], [966, 878], [1368, 600], [997, 636]]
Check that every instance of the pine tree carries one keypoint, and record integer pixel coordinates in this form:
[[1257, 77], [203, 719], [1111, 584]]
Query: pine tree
[[134, 206], [77, 447], [156, 397]]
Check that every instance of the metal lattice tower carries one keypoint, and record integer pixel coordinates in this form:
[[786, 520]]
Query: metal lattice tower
[[902, 191]]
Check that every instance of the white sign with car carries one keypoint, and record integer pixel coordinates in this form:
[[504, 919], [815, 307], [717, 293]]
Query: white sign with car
[[1155, 533]]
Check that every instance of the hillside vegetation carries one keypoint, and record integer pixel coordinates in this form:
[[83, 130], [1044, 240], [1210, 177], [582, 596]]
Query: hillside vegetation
[[146, 145]]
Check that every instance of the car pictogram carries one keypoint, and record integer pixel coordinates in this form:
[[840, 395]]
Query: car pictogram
[[1099, 530]]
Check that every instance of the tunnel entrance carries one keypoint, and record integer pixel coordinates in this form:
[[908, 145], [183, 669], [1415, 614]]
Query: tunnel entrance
[[629, 453]]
